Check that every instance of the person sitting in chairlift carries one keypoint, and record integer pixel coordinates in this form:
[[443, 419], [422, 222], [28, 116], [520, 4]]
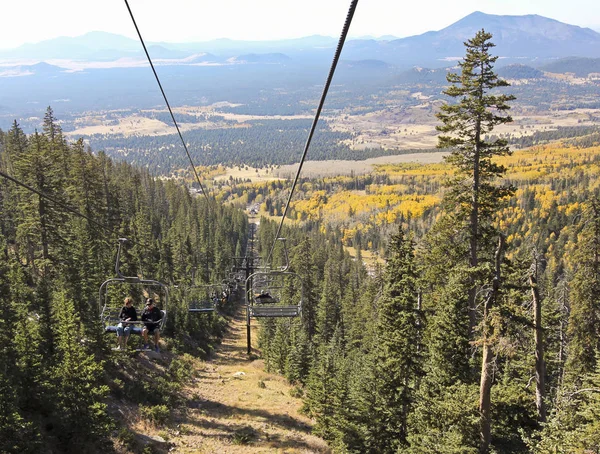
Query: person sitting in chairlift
[[151, 318], [214, 298], [264, 297], [127, 314]]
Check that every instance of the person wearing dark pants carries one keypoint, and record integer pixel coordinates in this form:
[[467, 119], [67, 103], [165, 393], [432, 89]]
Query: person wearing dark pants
[[151, 317]]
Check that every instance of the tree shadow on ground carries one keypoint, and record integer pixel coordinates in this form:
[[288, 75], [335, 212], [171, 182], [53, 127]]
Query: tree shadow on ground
[[217, 409], [244, 433]]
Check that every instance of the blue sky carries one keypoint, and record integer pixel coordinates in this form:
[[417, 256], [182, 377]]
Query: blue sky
[[199, 20]]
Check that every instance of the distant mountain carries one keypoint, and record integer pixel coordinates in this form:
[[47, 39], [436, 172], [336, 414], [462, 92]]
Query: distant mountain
[[80, 47], [519, 71], [262, 58], [107, 71], [518, 39], [527, 38], [101, 46], [581, 67], [39, 69]]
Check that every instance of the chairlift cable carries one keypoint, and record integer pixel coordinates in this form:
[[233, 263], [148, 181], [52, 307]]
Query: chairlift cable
[[167, 102], [316, 119], [62, 205]]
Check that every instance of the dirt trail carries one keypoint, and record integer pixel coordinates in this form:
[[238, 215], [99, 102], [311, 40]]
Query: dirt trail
[[236, 407]]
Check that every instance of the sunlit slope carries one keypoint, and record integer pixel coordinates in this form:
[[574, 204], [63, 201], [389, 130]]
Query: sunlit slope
[[552, 182]]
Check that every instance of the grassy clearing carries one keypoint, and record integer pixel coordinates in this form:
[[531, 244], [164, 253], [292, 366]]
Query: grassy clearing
[[331, 168], [370, 259], [249, 173]]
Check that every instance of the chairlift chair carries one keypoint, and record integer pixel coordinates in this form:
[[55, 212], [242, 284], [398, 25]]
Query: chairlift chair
[[203, 298], [265, 294], [110, 304]]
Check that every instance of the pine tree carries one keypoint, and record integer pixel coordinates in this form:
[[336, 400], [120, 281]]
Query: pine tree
[[15, 144], [467, 122], [397, 350], [329, 309], [326, 387], [75, 381], [584, 320], [472, 188], [298, 361], [301, 262]]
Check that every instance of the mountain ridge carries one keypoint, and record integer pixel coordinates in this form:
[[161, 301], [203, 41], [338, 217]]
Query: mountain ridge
[[530, 37]]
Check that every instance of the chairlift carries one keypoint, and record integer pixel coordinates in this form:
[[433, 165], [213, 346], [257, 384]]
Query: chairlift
[[266, 292], [273, 293], [204, 298], [111, 302]]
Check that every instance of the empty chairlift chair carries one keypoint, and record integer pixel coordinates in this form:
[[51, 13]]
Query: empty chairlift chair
[[204, 298]]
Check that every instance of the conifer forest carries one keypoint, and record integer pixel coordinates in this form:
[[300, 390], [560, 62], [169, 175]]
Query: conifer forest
[[477, 331]]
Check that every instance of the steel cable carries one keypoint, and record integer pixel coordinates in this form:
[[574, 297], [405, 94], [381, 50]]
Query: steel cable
[[336, 57], [167, 102]]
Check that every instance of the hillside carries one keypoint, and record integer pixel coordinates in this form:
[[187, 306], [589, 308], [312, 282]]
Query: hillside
[[229, 404], [581, 67], [440, 302], [235, 406], [366, 200]]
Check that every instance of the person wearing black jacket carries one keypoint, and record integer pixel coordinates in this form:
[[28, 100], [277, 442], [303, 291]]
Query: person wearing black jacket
[[151, 318], [127, 314]]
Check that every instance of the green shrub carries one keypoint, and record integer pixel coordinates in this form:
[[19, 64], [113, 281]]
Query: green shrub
[[244, 436], [117, 388], [182, 368], [127, 438], [157, 414], [297, 392]]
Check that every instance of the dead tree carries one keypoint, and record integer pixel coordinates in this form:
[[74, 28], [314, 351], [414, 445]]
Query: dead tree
[[540, 365]]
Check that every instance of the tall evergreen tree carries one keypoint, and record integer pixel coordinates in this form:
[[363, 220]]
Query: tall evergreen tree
[[75, 381], [472, 189], [465, 125], [397, 349], [584, 320]]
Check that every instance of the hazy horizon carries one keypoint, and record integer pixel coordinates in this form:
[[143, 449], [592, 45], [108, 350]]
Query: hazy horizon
[[263, 20]]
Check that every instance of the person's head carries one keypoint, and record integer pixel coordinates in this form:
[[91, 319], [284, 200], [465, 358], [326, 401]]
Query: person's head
[[128, 301], [149, 302]]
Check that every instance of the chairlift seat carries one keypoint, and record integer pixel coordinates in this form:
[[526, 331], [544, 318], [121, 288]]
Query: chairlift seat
[[113, 329], [274, 311], [204, 298], [201, 306], [265, 294]]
